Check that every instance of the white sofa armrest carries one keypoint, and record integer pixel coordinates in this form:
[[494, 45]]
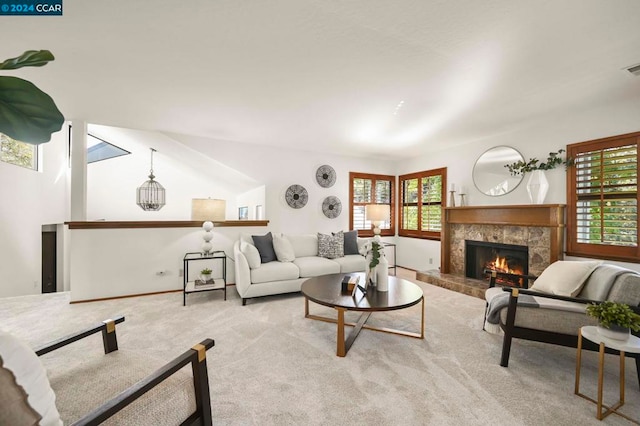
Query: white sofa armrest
[[242, 270]]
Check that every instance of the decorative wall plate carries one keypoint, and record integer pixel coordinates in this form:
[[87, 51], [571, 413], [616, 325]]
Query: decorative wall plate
[[331, 207], [326, 176], [296, 196]]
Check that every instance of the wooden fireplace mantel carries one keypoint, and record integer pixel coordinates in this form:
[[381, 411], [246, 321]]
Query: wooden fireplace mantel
[[550, 215], [526, 215]]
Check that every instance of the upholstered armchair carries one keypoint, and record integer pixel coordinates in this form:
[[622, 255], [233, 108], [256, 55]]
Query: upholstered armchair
[[554, 308], [166, 396]]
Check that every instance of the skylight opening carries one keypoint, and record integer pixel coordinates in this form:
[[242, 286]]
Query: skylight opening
[[99, 150]]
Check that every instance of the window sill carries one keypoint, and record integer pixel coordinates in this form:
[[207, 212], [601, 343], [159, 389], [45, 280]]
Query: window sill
[[628, 259], [421, 237]]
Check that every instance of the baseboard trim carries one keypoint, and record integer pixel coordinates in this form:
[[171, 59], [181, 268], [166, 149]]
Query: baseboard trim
[[132, 295], [404, 267]]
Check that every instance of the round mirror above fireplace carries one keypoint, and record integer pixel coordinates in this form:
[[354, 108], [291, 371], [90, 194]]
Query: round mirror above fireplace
[[490, 175]]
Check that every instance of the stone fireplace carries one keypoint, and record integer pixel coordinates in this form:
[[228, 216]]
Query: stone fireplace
[[539, 228], [510, 258]]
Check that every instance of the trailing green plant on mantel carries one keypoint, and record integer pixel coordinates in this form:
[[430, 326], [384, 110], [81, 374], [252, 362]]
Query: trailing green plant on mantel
[[27, 114], [611, 313], [553, 160]]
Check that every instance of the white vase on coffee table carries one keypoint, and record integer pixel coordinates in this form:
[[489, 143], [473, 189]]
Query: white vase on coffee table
[[382, 274]]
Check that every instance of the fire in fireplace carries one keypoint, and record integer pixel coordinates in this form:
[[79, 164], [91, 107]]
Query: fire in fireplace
[[510, 258]]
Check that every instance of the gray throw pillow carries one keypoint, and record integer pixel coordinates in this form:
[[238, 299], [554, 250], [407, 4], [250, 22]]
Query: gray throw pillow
[[331, 246], [264, 244], [351, 242]]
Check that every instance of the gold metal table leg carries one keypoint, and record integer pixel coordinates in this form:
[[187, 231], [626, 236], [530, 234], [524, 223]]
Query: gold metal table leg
[[600, 380], [576, 389], [600, 414], [422, 321], [621, 378], [341, 351]]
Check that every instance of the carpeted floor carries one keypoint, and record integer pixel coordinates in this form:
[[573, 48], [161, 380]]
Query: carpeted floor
[[271, 366]]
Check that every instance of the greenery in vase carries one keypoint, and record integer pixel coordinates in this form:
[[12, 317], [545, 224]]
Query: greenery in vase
[[611, 313], [206, 271], [375, 249], [553, 160]]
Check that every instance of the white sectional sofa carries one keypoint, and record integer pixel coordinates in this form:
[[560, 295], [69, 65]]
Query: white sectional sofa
[[297, 262]]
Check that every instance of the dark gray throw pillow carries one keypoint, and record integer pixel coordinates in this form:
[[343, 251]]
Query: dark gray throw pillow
[[264, 244], [351, 243]]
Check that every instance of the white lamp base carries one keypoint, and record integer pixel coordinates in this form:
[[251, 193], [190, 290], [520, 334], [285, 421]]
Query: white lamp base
[[376, 231]]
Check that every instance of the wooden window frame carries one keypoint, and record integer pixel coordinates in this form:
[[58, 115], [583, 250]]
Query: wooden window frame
[[417, 233], [598, 251], [392, 205]]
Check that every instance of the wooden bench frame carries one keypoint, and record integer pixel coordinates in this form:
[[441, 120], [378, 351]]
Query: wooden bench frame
[[196, 356]]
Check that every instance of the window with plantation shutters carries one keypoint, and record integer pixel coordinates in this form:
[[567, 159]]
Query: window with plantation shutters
[[422, 199], [366, 189], [602, 198]]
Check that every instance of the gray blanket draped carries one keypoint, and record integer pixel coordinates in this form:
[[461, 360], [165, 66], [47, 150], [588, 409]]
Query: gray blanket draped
[[501, 301]]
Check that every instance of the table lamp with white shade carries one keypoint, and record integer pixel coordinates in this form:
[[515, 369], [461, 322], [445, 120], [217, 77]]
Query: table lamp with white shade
[[377, 214], [209, 211]]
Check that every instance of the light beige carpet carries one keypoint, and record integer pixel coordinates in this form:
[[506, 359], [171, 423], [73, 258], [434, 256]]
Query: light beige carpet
[[271, 366]]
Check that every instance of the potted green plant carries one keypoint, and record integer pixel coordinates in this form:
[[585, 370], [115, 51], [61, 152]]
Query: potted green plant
[[28, 114], [614, 319], [205, 275]]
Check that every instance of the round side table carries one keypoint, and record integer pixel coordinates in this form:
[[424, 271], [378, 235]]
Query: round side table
[[631, 345]]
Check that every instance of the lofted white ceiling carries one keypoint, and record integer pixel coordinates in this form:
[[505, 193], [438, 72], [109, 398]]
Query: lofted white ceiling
[[360, 77]]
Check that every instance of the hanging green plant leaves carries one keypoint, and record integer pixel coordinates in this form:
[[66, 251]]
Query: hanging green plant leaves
[[30, 58], [27, 113]]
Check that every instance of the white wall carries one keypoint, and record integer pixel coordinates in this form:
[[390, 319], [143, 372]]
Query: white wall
[[129, 259], [225, 169], [251, 199], [30, 199], [117, 262], [535, 139], [185, 174], [279, 168]]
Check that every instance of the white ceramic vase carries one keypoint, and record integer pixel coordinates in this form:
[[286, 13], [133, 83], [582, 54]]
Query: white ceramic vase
[[537, 186], [382, 274], [371, 276], [614, 332]]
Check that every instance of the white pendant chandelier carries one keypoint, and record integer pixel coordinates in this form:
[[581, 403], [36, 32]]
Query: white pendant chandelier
[[151, 195]]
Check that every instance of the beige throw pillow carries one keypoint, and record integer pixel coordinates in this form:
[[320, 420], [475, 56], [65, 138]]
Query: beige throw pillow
[[565, 277], [30, 374], [251, 253], [14, 408], [283, 248]]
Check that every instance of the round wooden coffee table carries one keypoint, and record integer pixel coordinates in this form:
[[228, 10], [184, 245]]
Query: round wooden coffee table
[[327, 290]]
